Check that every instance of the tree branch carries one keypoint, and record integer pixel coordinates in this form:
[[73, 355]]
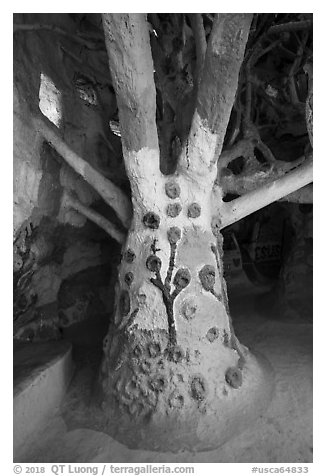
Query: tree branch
[[92, 215], [239, 208], [289, 26], [217, 90], [246, 182], [55, 29], [110, 193], [131, 65], [200, 42]]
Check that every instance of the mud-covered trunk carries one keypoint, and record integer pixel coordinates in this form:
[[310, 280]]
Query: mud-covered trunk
[[174, 375]]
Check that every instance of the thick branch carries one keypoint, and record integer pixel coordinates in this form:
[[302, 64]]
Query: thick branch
[[251, 202], [110, 193], [217, 90], [200, 41], [249, 180], [131, 65], [55, 29], [289, 26], [92, 215]]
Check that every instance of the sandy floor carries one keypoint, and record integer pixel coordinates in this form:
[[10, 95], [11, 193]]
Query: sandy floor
[[283, 435]]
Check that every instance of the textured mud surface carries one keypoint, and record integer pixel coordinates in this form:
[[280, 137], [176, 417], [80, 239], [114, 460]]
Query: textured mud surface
[[283, 434]]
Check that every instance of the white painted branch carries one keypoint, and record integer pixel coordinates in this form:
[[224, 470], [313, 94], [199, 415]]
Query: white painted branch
[[110, 193], [239, 208], [92, 215]]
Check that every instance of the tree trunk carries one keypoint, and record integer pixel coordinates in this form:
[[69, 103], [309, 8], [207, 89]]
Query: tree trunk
[[174, 374]]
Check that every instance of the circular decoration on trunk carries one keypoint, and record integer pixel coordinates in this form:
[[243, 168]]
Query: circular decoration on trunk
[[188, 309], [176, 400], [176, 354], [212, 334], [172, 189], [154, 349], [207, 277], [182, 278], [194, 210], [158, 384], [129, 277], [233, 377], [151, 220], [216, 225], [198, 388], [124, 303], [129, 256], [153, 263], [174, 235], [138, 350], [173, 209]]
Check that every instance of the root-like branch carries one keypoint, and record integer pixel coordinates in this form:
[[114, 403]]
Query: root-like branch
[[92, 215], [110, 193]]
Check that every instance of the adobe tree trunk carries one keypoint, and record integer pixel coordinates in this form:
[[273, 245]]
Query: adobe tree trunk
[[174, 375]]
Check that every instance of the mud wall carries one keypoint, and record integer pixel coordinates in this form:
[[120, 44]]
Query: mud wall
[[63, 265]]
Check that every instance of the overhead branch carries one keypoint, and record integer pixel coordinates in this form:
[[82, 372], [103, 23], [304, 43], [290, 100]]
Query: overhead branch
[[289, 26], [72, 202], [200, 42], [216, 93], [110, 193], [91, 45], [131, 65], [255, 200], [255, 176]]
